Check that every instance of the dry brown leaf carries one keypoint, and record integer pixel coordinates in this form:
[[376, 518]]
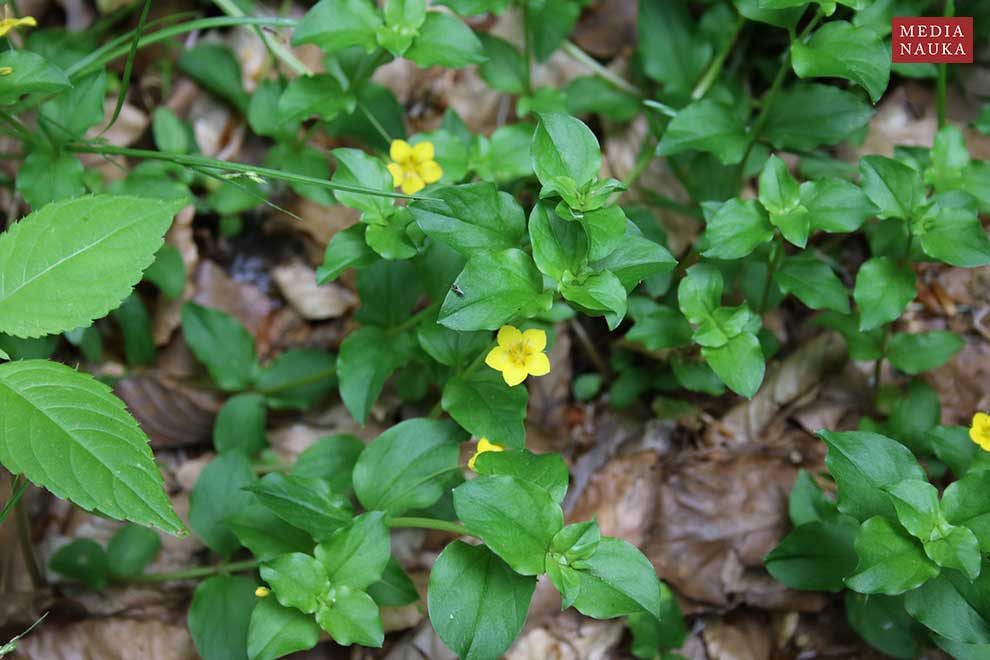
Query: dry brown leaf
[[297, 282], [246, 302], [623, 496], [172, 414], [108, 639], [607, 28], [745, 636], [568, 637]]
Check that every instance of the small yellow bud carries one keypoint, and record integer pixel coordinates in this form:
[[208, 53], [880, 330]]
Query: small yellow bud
[[6, 70], [262, 592]]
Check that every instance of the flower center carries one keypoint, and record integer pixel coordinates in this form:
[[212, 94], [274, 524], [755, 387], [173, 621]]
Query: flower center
[[518, 355]]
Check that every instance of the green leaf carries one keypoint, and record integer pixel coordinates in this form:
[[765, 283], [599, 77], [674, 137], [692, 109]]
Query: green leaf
[[739, 363], [477, 603], [221, 609], [368, 356], [471, 217], [606, 228], [634, 259], [214, 66], [916, 503], [651, 635], [736, 229], [835, 205], [863, 346], [657, 327], [486, 407], [451, 347], [167, 272], [356, 555], [331, 458], [564, 147], [297, 378], [915, 413], [883, 289], [219, 494], [547, 471], [304, 502], [840, 50], [953, 233], [172, 135], [883, 622], [47, 176], [816, 556], [395, 589], [347, 249], [356, 168], [131, 549], [779, 190], [266, 535], [956, 548], [240, 425], [808, 503], [599, 294], [890, 561], [276, 631], [895, 188], [953, 446], [29, 72], [862, 465], [445, 41], [559, 246], [350, 616], [807, 116], [135, 325], [59, 424], [700, 292], [83, 560], [552, 21], [505, 70], [336, 24], [706, 125], [407, 466], [917, 353], [593, 94], [297, 580], [813, 282], [953, 606], [515, 519], [965, 504], [672, 51], [222, 344], [496, 287], [318, 94], [402, 21], [617, 580], [75, 260]]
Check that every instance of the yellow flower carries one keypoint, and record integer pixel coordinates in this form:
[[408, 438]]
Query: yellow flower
[[262, 592], [8, 24], [519, 354], [483, 446], [6, 70], [413, 167], [980, 431]]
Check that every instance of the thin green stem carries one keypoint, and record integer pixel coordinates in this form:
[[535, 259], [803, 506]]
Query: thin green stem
[[429, 523], [643, 158], [374, 122], [777, 250], [17, 488], [27, 547], [413, 320], [212, 163], [202, 571], [943, 74], [715, 68], [596, 67], [275, 47]]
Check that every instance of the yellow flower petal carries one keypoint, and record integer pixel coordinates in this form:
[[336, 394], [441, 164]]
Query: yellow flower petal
[[514, 374], [430, 171], [538, 364], [979, 432], [509, 336], [8, 24], [483, 446], [422, 152], [398, 174], [497, 358], [535, 339], [400, 151], [412, 183]]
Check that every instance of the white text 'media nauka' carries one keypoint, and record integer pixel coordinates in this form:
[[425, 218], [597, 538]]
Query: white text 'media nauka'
[[931, 48]]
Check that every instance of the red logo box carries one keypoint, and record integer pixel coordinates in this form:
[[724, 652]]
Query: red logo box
[[935, 40]]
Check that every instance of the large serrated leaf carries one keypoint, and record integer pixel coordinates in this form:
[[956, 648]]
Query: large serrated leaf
[[66, 431], [75, 260]]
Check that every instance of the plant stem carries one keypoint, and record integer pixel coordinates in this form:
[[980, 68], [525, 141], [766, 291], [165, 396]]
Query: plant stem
[[591, 63], [413, 320], [275, 47], [193, 573], [589, 347], [212, 163], [301, 382], [374, 122], [715, 68], [429, 523], [527, 49], [777, 253], [27, 547], [17, 488]]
